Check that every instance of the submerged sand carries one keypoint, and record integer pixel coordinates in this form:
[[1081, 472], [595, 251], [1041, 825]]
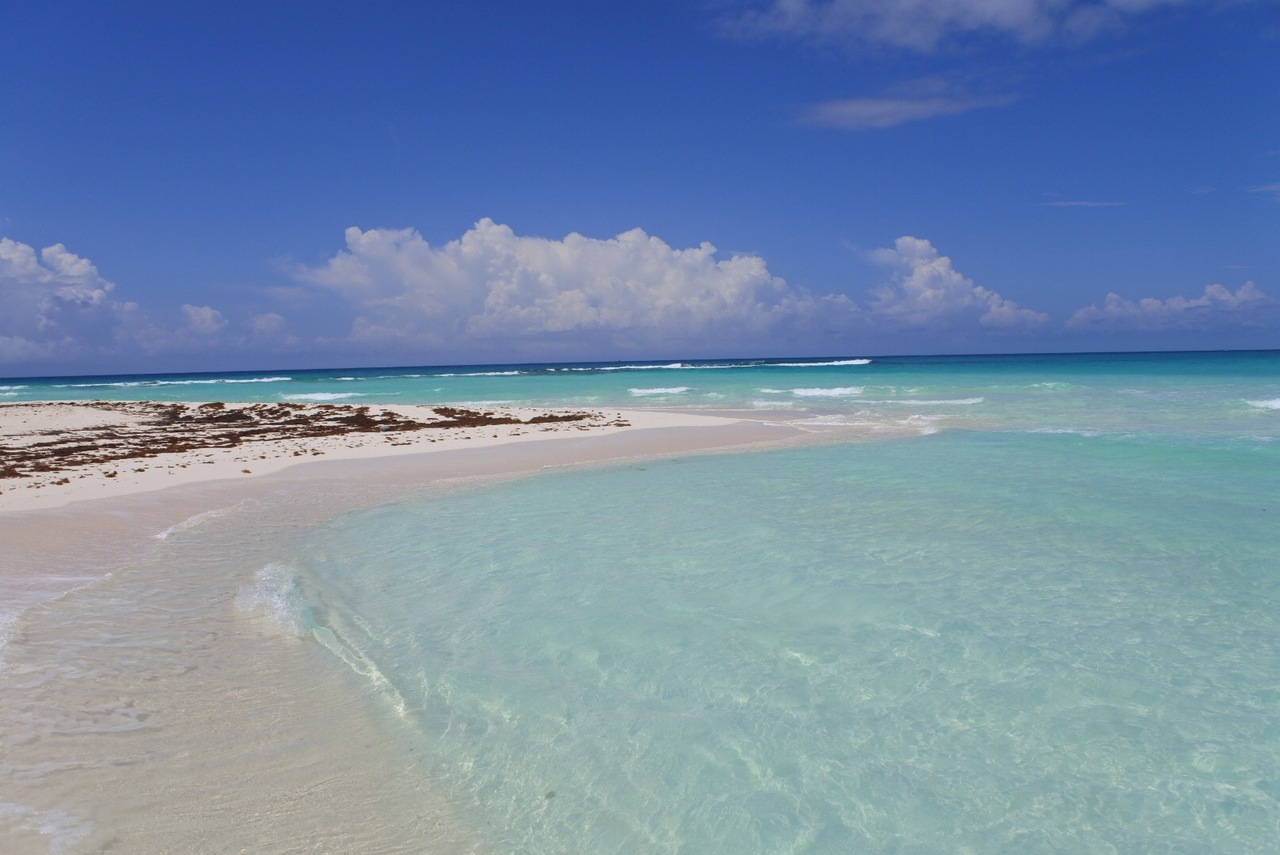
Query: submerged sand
[[140, 709]]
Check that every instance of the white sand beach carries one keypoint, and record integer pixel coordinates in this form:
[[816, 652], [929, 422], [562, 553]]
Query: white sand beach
[[130, 441]]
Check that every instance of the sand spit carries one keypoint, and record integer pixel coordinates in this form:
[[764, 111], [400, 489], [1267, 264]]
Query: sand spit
[[53, 453]]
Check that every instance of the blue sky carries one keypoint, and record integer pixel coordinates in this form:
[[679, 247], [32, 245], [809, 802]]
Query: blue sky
[[233, 185]]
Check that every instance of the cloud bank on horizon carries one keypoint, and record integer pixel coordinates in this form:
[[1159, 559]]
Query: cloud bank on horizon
[[492, 295]]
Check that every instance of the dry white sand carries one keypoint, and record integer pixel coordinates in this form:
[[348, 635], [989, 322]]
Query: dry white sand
[[25, 428]]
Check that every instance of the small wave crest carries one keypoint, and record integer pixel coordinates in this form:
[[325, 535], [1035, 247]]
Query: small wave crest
[[670, 365], [132, 384], [225, 380], [925, 425], [933, 402], [1273, 404], [483, 374], [323, 396], [661, 390], [273, 594], [833, 392], [191, 522], [1063, 430], [820, 364], [120, 385]]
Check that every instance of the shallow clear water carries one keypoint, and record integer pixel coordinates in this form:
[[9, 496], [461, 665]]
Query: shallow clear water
[[1009, 642], [1042, 618]]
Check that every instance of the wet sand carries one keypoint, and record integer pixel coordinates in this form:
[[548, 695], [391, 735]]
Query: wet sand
[[141, 711]]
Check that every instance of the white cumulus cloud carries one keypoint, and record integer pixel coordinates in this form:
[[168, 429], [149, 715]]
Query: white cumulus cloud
[[50, 300], [492, 285], [56, 308], [1218, 305], [203, 319], [927, 290]]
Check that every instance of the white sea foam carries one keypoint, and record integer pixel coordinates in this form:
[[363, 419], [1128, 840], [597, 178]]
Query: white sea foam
[[8, 625], [219, 380], [11, 388], [119, 385], [1075, 431], [323, 396], [669, 366], [27, 595], [833, 392], [133, 384], [1273, 404], [61, 829], [8, 394], [192, 522], [832, 420], [668, 390], [818, 364], [927, 402], [484, 374], [926, 425], [274, 595]]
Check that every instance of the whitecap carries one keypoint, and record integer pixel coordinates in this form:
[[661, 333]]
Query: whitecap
[[1273, 404]]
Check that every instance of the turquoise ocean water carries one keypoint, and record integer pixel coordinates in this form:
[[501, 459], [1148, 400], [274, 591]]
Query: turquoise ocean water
[[1036, 608]]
